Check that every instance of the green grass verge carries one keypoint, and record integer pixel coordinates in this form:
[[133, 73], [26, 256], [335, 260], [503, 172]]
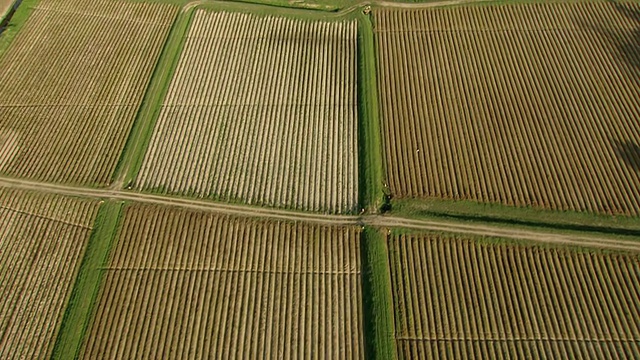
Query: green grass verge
[[373, 195], [502, 215], [499, 241], [17, 21], [377, 297], [135, 149], [88, 281]]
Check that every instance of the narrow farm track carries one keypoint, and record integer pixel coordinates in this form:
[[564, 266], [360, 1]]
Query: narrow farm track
[[85, 64], [524, 105], [458, 298], [42, 241], [260, 109], [191, 284], [326, 219]]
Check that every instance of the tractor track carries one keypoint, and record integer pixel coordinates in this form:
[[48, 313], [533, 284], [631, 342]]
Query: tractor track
[[382, 221]]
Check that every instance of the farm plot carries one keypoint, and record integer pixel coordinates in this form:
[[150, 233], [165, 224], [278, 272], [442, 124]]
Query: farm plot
[[5, 6], [456, 298], [197, 285], [524, 105], [42, 241], [263, 110], [72, 82]]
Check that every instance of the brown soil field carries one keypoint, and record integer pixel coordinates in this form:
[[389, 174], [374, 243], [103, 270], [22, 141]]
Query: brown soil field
[[183, 284], [262, 110], [523, 105], [5, 5], [72, 82], [42, 241], [456, 298]]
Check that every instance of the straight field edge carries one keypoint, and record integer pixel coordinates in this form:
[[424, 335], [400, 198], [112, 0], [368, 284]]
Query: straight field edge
[[613, 226], [373, 196], [11, 26], [88, 282], [135, 149], [379, 329]]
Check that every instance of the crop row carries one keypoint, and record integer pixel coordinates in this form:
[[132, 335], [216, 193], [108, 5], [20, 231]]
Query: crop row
[[183, 284], [455, 296], [42, 240], [72, 82], [525, 105], [263, 110]]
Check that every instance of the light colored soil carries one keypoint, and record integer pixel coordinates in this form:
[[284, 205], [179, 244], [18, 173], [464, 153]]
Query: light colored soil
[[484, 299], [72, 83], [263, 110], [187, 284], [42, 239], [5, 5]]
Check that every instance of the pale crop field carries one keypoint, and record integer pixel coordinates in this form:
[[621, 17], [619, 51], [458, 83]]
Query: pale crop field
[[42, 241], [523, 105], [5, 5], [72, 82], [191, 285], [455, 298], [261, 110]]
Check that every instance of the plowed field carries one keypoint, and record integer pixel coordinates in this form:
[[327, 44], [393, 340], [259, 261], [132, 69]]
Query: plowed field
[[459, 299], [525, 105], [262, 110], [42, 241], [72, 82], [196, 285]]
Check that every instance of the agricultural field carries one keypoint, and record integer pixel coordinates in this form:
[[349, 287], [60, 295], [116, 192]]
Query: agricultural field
[[72, 82], [456, 298], [261, 110], [184, 284], [42, 241], [522, 105], [5, 5]]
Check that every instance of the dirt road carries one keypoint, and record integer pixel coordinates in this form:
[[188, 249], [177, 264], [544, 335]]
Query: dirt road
[[372, 220]]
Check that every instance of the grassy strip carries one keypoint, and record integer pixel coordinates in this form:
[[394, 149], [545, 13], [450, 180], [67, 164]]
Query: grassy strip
[[522, 243], [85, 291], [377, 298], [373, 195], [140, 136], [497, 214], [18, 19]]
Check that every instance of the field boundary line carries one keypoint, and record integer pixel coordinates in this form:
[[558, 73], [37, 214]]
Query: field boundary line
[[452, 339], [46, 218], [87, 283], [581, 240], [81, 13], [239, 271]]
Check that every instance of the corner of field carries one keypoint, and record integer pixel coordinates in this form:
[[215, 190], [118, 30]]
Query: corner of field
[[15, 24], [84, 295]]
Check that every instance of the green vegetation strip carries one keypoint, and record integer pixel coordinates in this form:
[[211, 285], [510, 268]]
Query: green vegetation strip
[[377, 297], [135, 149], [87, 287], [16, 23], [373, 194], [509, 216]]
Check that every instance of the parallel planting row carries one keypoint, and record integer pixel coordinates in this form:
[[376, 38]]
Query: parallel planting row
[[42, 241], [526, 105], [457, 298], [262, 110], [72, 82], [183, 284]]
